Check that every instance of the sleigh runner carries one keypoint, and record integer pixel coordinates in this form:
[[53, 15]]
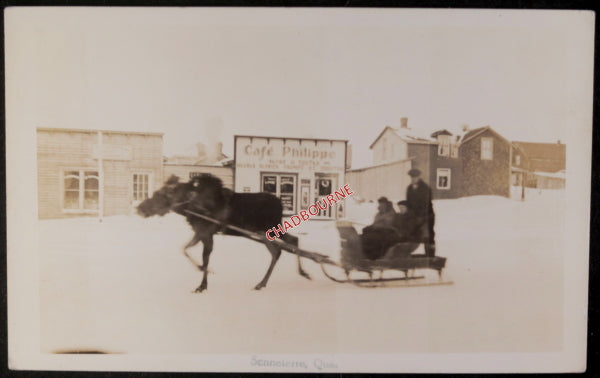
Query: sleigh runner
[[397, 258]]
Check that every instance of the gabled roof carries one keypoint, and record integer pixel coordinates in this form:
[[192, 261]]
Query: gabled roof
[[544, 157], [480, 130], [552, 151], [379, 136], [441, 132], [406, 134]]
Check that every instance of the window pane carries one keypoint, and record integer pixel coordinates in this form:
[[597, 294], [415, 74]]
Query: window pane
[[287, 201], [324, 187], [287, 184], [71, 200], [90, 201], [270, 184], [91, 183], [72, 180]]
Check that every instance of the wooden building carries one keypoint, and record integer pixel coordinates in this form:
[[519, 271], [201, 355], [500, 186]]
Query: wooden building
[[95, 172], [538, 165], [387, 179], [435, 156], [208, 159]]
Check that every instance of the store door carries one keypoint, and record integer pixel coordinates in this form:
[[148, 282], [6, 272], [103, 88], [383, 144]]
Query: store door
[[324, 185], [282, 186]]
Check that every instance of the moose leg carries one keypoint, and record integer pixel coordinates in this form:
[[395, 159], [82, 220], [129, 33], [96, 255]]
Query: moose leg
[[208, 246], [275, 253], [301, 271], [197, 237]]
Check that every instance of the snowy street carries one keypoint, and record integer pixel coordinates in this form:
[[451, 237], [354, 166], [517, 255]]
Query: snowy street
[[123, 286]]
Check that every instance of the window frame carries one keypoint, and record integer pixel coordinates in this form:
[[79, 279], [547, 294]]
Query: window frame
[[295, 193], [444, 145], [150, 187], [438, 175], [484, 151], [80, 190]]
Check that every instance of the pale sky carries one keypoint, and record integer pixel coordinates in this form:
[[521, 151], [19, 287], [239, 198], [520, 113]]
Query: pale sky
[[207, 74]]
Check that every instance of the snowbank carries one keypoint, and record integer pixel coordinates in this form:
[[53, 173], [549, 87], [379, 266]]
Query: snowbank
[[123, 285]]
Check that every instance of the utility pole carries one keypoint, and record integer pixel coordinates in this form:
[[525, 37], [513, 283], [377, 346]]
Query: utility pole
[[100, 177]]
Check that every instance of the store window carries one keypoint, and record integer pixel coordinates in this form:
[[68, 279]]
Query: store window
[[282, 186], [81, 190], [443, 178], [324, 186]]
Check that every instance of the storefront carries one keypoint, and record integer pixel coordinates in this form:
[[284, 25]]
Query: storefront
[[299, 171]]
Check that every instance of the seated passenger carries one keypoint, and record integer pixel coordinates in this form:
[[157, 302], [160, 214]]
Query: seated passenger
[[385, 213], [378, 237], [405, 222]]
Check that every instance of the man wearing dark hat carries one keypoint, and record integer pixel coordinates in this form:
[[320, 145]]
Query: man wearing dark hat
[[418, 200]]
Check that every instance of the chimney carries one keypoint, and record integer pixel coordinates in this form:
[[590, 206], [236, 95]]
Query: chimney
[[213, 152], [558, 142], [465, 128], [404, 122], [201, 149]]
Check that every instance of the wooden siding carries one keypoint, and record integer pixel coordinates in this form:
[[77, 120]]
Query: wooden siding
[[59, 150], [388, 180]]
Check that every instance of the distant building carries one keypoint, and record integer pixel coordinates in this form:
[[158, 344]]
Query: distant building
[[485, 157], [95, 172], [538, 165], [435, 156], [208, 159], [476, 162]]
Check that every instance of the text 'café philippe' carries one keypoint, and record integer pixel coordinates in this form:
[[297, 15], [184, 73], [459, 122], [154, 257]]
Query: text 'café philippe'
[[300, 171]]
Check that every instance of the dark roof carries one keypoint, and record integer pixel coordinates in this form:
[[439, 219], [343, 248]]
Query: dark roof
[[473, 133], [543, 150], [544, 157], [440, 132]]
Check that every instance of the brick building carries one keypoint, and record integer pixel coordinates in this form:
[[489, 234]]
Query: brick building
[[95, 172], [485, 158]]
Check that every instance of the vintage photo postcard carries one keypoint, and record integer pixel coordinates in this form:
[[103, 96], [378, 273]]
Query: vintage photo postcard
[[298, 190]]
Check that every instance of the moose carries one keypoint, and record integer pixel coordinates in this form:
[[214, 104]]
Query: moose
[[206, 195]]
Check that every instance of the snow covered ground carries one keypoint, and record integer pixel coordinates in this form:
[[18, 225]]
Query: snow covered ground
[[123, 285]]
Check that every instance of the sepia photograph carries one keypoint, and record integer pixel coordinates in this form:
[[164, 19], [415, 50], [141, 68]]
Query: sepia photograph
[[298, 190]]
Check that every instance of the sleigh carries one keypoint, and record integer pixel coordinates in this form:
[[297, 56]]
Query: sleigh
[[398, 258]]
